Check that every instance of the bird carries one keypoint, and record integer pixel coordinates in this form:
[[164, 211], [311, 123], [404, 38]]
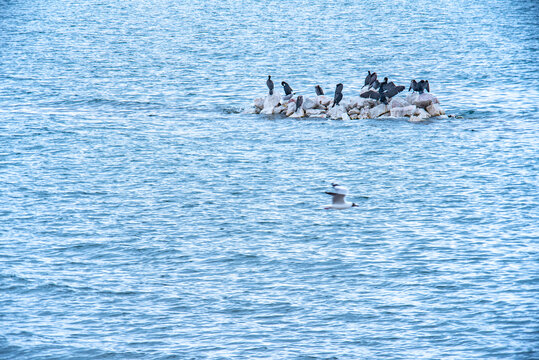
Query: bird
[[299, 101], [269, 82], [391, 90], [368, 78], [374, 81], [414, 86], [318, 90], [383, 84], [287, 88], [424, 85], [338, 203], [381, 92], [338, 94], [370, 94], [375, 84], [420, 86]]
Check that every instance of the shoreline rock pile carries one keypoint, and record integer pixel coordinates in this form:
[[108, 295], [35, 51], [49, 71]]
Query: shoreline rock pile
[[417, 107]]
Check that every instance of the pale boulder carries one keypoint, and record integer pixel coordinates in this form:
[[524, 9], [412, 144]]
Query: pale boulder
[[298, 113], [323, 100], [378, 111], [270, 102], [425, 100], [435, 110], [290, 107], [259, 103], [420, 115], [403, 111], [309, 103], [354, 111], [314, 112], [398, 103], [336, 112], [279, 109]]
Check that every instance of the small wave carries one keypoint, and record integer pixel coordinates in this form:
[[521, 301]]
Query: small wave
[[232, 110]]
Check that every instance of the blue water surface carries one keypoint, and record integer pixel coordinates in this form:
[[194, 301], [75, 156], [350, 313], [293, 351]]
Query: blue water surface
[[145, 215]]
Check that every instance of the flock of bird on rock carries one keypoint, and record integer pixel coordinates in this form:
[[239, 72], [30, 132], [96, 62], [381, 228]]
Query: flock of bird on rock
[[376, 99]]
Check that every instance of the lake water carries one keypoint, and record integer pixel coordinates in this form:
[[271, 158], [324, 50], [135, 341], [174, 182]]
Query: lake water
[[145, 215]]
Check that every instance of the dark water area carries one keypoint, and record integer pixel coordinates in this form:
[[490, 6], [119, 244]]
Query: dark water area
[[145, 215]]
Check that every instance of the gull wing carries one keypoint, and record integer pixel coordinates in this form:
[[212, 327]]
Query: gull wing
[[337, 198]]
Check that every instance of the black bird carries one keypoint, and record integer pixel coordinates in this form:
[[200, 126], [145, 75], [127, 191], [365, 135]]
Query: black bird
[[375, 84], [287, 88], [374, 80], [338, 94], [424, 85], [413, 86], [381, 92], [368, 79], [420, 86], [299, 102], [391, 90], [383, 84], [318, 90], [371, 94], [269, 82]]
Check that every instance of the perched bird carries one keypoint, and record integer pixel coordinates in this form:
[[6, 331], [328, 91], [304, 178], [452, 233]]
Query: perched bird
[[391, 90], [381, 92], [374, 81], [420, 86], [375, 84], [424, 85], [338, 94], [370, 94], [383, 84], [338, 202], [269, 82], [287, 88], [318, 90], [414, 86], [368, 78], [299, 102]]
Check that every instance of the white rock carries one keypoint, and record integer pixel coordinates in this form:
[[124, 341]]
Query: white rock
[[352, 102], [411, 98], [365, 113], [290, 107], [345, 116], [323, 100], [403, 111], [397, 102], [298, 114], [422, 115], [336, 112], [369, 103], [359, 102], [354, 111], [314, 112], [435, 110], [279, 109], [270, 102], [425, 100], [354, 116], [309, 103], [259, 103], [378, 110]]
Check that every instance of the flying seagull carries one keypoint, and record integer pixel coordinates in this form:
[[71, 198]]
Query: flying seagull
[[339, 193]]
